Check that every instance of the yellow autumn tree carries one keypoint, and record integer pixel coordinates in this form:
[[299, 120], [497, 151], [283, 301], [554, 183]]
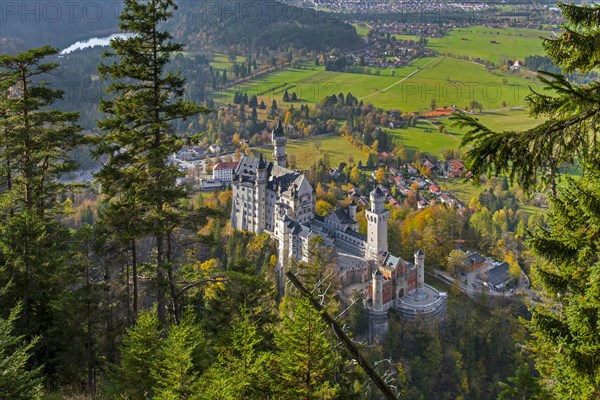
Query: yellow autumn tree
[[380, 176]]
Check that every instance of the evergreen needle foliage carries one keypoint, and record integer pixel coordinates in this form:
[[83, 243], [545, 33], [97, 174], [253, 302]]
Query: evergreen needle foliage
[[147, 96], [566, 328]]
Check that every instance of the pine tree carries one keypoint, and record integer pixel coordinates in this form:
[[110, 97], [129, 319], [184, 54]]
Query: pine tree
[[242, 369], [179, 362], [566, 344], [305, 359], [140, 353], [139, 136], [35, 142], [17, 381]]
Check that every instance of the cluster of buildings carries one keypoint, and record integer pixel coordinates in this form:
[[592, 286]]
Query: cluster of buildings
[[410, 182], [384, 6], [490, 273], [387, 52], [269, 197]]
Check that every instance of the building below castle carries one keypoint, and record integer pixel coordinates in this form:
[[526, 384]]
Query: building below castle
[[268, 197]]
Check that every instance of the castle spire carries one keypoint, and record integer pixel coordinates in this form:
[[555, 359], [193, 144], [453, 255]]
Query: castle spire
[[279, 142]]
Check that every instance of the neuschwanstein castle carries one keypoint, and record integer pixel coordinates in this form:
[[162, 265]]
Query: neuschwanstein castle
[[269, 197]]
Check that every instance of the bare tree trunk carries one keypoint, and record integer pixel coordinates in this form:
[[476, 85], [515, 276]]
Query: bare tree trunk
[[134, 277], [160, 280], [173, 288]]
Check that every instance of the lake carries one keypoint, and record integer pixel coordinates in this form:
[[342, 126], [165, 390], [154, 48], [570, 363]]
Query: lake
[[93, 42]]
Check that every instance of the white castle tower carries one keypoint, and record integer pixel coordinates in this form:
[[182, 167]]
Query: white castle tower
[[420, 265], [377, 217], [420, 293], [278, 139], [378, 291], [261, 194]]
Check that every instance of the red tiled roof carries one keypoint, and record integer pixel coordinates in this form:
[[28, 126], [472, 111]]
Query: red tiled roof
[[225, 165]]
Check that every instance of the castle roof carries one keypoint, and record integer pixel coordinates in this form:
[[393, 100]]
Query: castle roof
[[225, 165], [419, 253], [355, 234], [342, 216], [278, 130], [378, 192]]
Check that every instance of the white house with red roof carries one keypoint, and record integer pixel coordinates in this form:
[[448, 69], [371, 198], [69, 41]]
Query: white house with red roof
[[223, 171]]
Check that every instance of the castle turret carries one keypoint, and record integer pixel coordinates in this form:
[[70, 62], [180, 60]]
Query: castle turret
[[378, 291], [352, 210], [377, 217], [261, 194], [279, 142], [420, 265]]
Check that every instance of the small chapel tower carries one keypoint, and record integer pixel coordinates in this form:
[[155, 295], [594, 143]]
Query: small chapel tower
[[279, 142], [377, 218]]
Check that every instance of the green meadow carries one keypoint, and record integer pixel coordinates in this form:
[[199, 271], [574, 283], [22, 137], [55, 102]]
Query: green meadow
[[426, 137], [449, 81], [493, 44], [221, 61], [310, 150]]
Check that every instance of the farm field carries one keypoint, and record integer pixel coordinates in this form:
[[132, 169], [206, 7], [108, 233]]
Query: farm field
[[311, 84], [453, 82], [448, 80], [310, 150], [492, 44]]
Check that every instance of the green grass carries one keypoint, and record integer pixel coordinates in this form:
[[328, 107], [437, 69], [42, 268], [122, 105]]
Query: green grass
[[432, 142], [221, 61], [362, 29], [508, 120], [453, 82], [309, 151], [511, 43], [407, 37], [464, 191], [448, 80]]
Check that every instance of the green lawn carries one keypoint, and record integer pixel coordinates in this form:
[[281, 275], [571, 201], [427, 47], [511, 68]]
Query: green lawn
[[510, 43], [432, 142], [309, 151], [464, 191]]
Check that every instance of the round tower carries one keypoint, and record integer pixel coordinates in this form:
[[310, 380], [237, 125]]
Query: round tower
[[377, 218], [352, 210], [279, 141], [378, 291], [420, 265]]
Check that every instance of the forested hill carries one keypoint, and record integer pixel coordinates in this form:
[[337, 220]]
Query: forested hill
[[246, 24], [263, 24]]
